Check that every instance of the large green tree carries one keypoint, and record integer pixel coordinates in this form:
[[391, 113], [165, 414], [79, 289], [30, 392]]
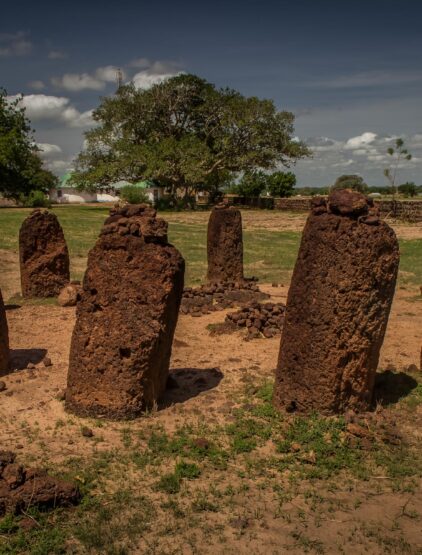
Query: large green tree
[[21, 169], [185, 134]]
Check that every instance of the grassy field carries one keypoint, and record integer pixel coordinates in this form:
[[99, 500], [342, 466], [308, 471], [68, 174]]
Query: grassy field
[[268, 254]]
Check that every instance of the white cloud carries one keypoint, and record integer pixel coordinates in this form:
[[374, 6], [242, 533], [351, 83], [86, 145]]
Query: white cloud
[[14, 44], [45, 107], [344, 163], [365, 154], [140, 63], [109, 74], [56, 55], [361, 140], [37, 85], [372, 78], [154, 72], [47, 150], [83, 81], [145, 79], [60, 166], [78, 82]]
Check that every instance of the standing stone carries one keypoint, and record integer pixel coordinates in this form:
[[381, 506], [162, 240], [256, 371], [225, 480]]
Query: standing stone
[[126, 317], [225, 245], [337, 307], [4, 339], [44, 258]]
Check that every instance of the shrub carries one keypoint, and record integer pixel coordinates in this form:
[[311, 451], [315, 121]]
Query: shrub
[[35, 199], [134, 195]]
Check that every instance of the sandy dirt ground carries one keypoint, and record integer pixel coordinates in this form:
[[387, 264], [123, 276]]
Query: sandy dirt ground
[[211, 370]]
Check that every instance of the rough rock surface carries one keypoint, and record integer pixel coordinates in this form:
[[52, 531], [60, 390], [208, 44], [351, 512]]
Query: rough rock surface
[[198, 301], [4, 339], [22, 488], [44, 258], [126, 317], [69, 295], [260, 319], [225, 245], [337, 307]]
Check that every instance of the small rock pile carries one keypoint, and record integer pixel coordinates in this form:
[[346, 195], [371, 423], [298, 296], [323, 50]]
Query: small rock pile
[[22, 488], [260, 319], [198, 301]]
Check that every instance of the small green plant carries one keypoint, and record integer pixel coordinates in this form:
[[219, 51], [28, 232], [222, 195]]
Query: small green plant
[[169, 483], [187, 470], [134, 195]]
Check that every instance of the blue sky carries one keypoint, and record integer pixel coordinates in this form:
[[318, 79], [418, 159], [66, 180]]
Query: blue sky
[[351, 72]]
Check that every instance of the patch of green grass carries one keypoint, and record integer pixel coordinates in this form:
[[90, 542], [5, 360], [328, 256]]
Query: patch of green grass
[[169, 483], [187, 470]]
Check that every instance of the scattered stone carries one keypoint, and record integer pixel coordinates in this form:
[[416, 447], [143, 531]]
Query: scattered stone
[[201, 443], [19, 446], [126, 317], [47, 361], [219, 296], [337, 308], [69, 295], [22, 488], [357, 430], [225, 245], [44, 258], [4, 339], [3, 386], [30, 366], [264, 319], [9, 393], [87, 432], [412, 368], [274, 284]]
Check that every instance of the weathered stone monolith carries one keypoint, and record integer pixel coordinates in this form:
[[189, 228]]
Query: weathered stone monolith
[[44, 258], [225, 245], [126, 317], [337, 307], [4, 339]]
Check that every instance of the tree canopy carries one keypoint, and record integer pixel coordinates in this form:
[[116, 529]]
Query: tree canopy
[[185, 134], [21, 169], [252, 184], [281, 184], [355, 182]]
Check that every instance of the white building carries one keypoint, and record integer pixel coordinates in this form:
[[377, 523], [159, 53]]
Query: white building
[[66, 192]]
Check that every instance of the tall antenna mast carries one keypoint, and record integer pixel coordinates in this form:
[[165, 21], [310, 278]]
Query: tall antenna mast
[[119, 78]]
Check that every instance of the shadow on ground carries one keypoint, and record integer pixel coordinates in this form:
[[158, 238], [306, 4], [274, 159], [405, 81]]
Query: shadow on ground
[[390, 387], [185, 383], [20, 358]]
